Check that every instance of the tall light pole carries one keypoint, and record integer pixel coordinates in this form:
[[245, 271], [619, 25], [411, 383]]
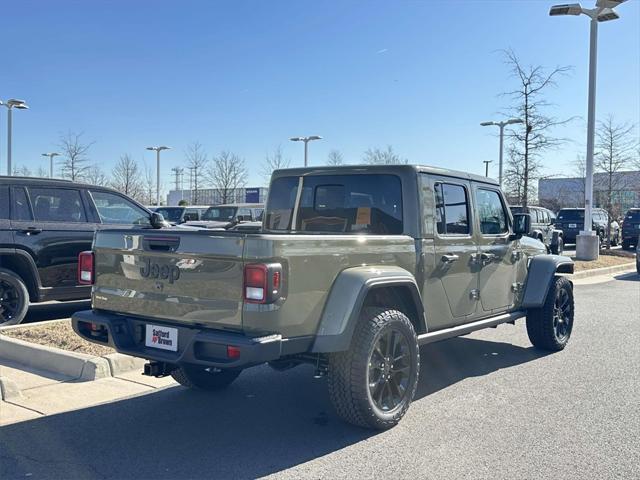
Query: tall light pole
[[158, 150], [51, 155], [11, 104], [306, 140], [587, 242], [486, 167], [502, 124]]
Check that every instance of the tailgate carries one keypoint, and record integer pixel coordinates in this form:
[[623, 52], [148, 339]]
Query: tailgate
[[185, 277]]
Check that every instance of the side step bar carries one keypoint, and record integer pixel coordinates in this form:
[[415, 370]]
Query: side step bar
[[458, 330]]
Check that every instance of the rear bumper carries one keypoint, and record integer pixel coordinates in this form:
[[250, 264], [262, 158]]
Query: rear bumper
[[195, 345]]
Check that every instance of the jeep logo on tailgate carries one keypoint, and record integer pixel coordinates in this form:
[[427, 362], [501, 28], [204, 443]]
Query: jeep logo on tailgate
[[163, 272]]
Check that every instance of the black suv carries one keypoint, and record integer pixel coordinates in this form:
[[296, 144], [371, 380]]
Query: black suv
[[542, 227], [44, 225], [571, 222], [631, 228]]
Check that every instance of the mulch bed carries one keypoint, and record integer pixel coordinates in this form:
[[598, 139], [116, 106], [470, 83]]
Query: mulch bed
[[58, 335]]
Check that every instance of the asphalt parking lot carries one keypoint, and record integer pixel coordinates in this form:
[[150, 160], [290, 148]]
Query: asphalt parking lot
[[488, 406]]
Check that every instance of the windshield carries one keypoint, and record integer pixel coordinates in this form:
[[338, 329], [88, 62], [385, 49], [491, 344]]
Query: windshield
[[172, 215], [220, 214], [571, 215]]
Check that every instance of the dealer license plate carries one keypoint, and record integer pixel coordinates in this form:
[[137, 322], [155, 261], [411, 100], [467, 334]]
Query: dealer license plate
[[165, 338], [572, 225]]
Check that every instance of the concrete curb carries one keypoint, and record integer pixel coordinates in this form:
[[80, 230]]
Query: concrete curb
[[8, 389], [40, 357], [604, 271], [32, 324], [119, 363]]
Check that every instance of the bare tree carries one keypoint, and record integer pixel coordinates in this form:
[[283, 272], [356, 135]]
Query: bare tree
[[615, 147], [75, 159], [126, 177], [227, 173], [533, 137], [377, 156], [335, 158], [196, 162], [42, 172], [22, 171], [148, 185], [95, 176], [274, 161]]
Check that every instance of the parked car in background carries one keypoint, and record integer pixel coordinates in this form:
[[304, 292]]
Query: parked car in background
[[44, 225], [181, 214], [631, 228], [225, 216], [638, 255], [542, 227], [571, 222]]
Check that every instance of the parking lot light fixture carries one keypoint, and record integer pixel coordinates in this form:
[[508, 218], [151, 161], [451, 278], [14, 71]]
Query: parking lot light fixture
[[501, 125], [51, 155], [11, 104], [158, 150], [306, 140], [587, 241]]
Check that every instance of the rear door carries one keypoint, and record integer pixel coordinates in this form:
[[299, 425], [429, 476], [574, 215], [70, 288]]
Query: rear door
[[52, 223], [455, 247], [496, 257]]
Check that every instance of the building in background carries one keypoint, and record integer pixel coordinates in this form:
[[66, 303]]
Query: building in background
[[213, 196], [557, 193]]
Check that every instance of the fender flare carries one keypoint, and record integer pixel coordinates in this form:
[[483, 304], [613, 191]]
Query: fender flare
[[542, 270], [346, 298], [33, 282]]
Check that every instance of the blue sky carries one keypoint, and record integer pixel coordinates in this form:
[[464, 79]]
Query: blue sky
[[247, 75]]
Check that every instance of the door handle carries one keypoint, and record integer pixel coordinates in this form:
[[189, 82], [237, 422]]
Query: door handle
[[449, 258], [487, 257], [31, 231]]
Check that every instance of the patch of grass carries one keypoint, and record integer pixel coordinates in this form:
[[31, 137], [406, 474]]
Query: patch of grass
[[58, 335]]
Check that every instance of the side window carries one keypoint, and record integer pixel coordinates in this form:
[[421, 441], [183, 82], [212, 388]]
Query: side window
[[545, 216], [57, 205], [493, 218], [536, 217], [20, 205], [245, 212], [452, 209], [115, 209]]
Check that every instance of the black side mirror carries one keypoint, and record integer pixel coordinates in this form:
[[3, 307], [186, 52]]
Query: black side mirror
[[156, 220], [521, 224], [241, 218]]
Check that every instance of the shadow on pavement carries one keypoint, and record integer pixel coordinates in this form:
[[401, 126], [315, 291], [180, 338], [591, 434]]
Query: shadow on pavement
[[264, 423], [628, 277], [39, 312]]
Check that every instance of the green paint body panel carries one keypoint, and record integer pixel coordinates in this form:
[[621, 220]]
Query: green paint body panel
[[194, 278]]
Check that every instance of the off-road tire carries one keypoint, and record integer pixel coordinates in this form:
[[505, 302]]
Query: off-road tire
[[540, 321], [348, 371], [558, 248], [12, 284], [199, 378]]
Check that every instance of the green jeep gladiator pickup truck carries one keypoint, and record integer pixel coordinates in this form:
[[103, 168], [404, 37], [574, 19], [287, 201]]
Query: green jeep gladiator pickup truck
[[353, 269]]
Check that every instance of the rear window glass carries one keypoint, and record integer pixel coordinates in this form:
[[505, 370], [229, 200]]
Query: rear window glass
[[633, 215], [170, 214], [571, 215], [337, 204]]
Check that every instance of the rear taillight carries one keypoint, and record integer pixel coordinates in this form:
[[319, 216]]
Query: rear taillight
[[85, 268], [262, 283]]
